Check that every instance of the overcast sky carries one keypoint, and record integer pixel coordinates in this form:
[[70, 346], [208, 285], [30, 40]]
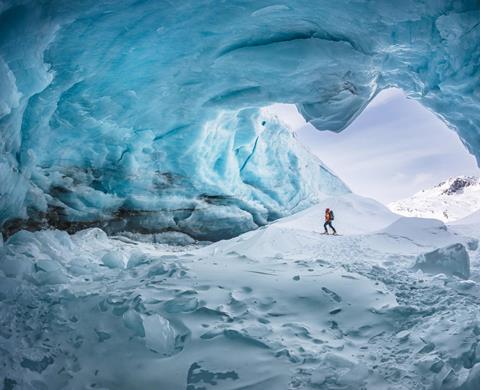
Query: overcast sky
[[394, 149]]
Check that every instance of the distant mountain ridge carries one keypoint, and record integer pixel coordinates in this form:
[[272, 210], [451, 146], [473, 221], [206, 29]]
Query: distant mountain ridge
[[451, 200], [458, 184]]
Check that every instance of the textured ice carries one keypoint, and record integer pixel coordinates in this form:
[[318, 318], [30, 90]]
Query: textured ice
[[281, 307], [145, 115], [451, 260], [114, 260]]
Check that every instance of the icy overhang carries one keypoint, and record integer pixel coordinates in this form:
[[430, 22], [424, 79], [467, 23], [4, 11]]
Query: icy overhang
[[145, 113]]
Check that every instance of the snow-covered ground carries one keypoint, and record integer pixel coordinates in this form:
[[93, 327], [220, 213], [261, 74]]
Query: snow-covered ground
[[473, 218], [282, 307], [449, 201]]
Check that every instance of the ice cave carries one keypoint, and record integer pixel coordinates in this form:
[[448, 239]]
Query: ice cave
[[161, 230]]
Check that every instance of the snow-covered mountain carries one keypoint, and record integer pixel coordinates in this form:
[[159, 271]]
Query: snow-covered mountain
[[448, 201]]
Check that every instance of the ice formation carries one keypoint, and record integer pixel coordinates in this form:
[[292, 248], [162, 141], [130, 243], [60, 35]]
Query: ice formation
[[451, 260], [144, 115]]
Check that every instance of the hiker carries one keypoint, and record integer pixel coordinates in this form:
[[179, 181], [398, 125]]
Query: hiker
[[329, 217]]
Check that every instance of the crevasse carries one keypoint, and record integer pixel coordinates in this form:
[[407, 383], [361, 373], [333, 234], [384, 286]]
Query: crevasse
[[145, 115]]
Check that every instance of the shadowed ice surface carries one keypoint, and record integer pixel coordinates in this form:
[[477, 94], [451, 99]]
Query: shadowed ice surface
[[283, 307]]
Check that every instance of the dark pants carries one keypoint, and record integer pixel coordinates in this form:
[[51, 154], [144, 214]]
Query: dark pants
[[329, 223]]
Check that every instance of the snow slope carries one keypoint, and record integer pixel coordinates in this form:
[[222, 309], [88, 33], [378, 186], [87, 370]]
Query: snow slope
[[449, 201], [473, 218], [354, 214], [282, 307]]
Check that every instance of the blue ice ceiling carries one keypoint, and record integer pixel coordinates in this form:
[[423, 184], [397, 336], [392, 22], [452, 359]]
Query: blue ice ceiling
[[144, 115]]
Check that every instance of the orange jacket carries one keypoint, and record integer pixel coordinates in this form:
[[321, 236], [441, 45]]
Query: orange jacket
[[327, 216]]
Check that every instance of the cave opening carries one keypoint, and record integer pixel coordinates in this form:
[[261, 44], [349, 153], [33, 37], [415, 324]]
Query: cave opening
[[160, 229], [395, 148]]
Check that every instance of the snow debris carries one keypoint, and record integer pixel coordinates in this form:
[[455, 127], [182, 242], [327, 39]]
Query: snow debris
[[87, 310]]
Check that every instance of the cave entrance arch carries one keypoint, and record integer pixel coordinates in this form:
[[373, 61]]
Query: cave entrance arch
[[393, 149], [143, 115]]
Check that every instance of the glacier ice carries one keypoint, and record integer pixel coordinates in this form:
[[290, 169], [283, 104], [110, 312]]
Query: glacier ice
[[145, 115], [113, 260], [451, 260]]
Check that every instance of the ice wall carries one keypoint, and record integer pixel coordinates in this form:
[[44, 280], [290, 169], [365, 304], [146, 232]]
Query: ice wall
[[144, 115]]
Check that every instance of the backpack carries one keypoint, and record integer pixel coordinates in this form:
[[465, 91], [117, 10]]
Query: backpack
[[332, 216]]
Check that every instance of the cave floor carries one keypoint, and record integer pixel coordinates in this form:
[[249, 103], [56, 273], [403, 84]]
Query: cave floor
[[282, 307]]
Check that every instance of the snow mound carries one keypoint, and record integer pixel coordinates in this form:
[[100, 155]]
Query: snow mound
[[472, 219], [419, 230], [450, 260], [354, 214]]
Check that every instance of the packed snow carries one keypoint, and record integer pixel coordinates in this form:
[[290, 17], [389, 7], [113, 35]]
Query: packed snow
[[281, 307], [146, 115], [473, 218], [449, 201]]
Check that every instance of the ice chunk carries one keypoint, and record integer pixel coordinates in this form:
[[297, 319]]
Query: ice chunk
[[197, 225], [134, 322], [170, 238], [137, 258], [450, 260], [159, 334], [91, 234], [472, 244], [49, 272], [340, 372], [473, 380], [16, 267], [114, 259]]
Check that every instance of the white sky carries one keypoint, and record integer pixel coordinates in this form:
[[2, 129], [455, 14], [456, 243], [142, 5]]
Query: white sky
[[394, 149]]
